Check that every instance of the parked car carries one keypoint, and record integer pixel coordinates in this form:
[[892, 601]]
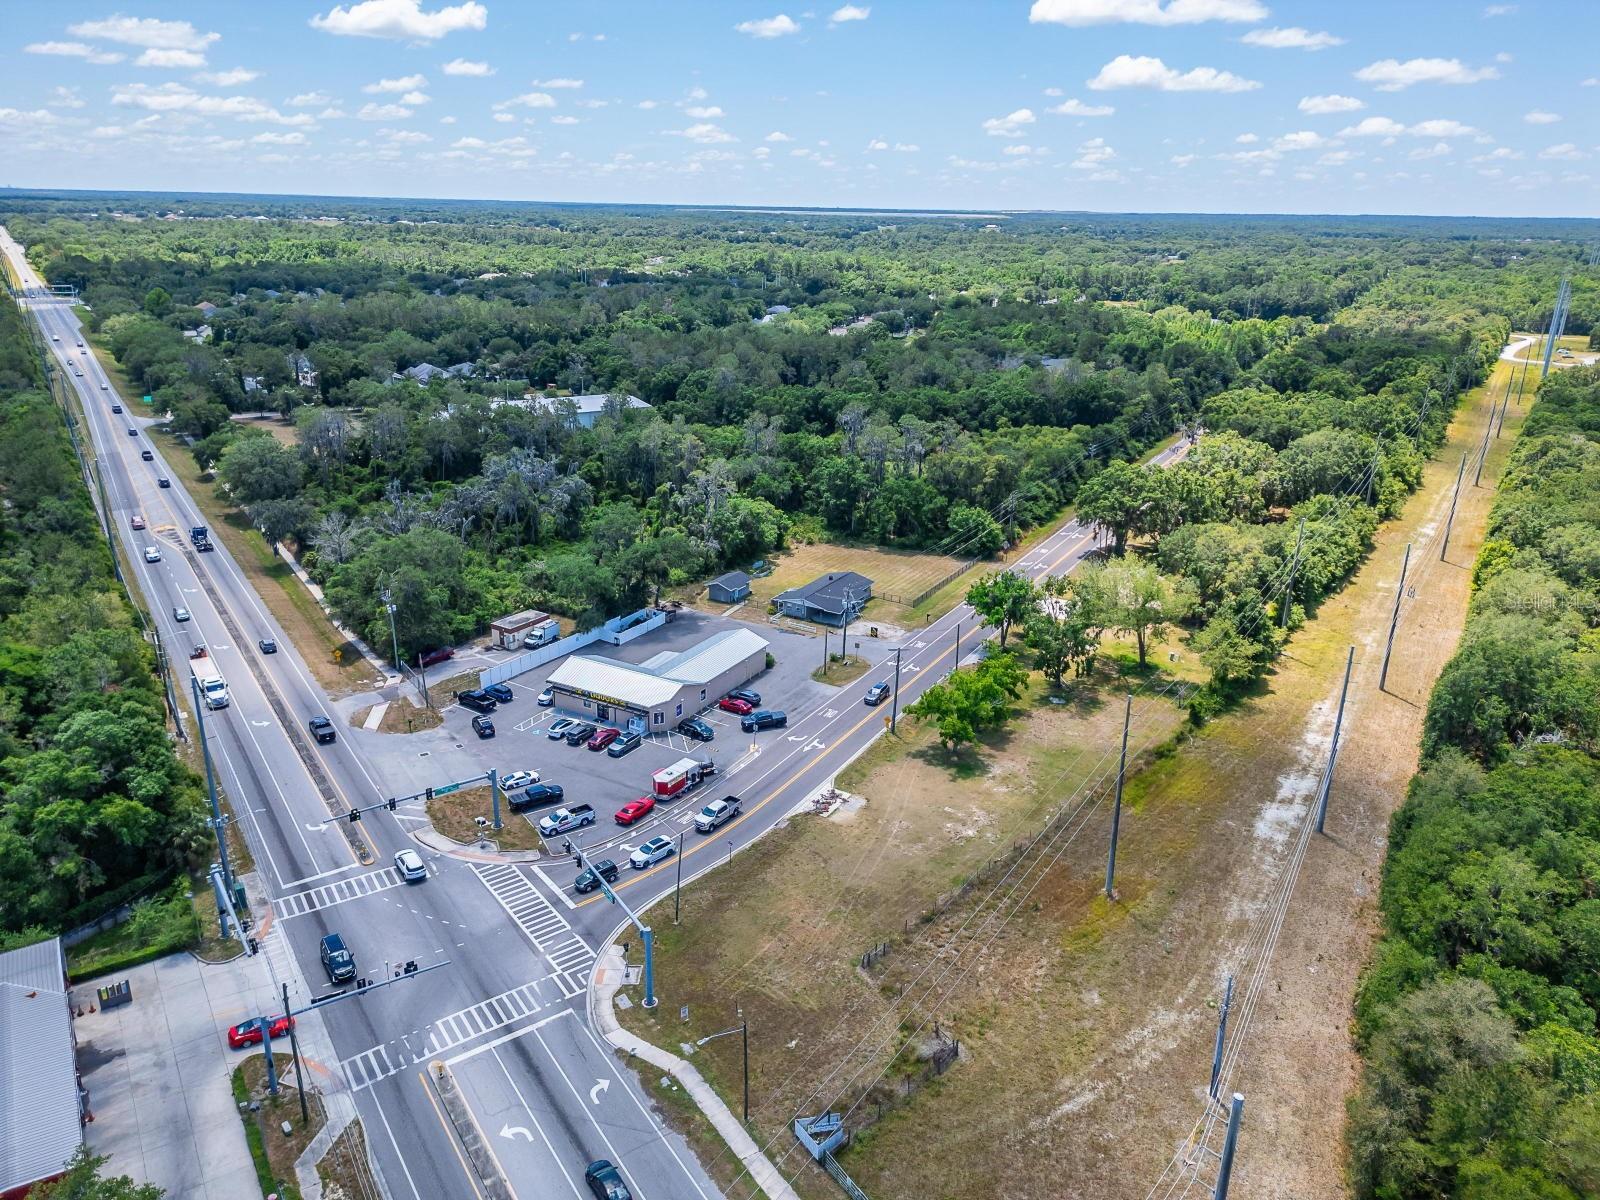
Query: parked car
[[694, 727], [603, 738], [876, 694], [547, 697], [499, 693], [581, 732], [475, 700], [337, 960], [558, 727], [636, 810], [136, 521], [745, 694], [515, 781], [718, 812], [624, 744], [147, 455], [483, 727], [163, 481], [764, 718], [432, 658], [152, 554], [605, 1181], [180, 615], [322, 729], [410, 865], [736, 706], [652, 852], [589, 878], [249, 1033], [540, 795], [566, 819], [267, 646]]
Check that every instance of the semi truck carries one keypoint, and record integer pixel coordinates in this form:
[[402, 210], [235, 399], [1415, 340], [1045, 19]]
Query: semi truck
[[213, 687], [671, 782], [201, 537]]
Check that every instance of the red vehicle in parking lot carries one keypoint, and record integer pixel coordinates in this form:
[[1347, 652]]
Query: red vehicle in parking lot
[[635, 810], [602, 738], [248, 1033], [736, 706], [432, 658]]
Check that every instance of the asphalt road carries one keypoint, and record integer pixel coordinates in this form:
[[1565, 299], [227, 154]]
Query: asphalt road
[[507, 1013]]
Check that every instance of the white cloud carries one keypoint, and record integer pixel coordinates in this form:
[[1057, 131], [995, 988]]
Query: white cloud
[[1010, 125], [1499, 10], [66, 97], [383, 112], [769, 27], [1026, 151], [1391, 75], [465, 66], [175, 97], [1292, 38], [591, 103], [705, 133], [403, 19], [1247, 139], [696, 93], [408, 137], [527, 100], [877, 144], [1077, 108], [309, 100], [1093, 154], [648, 104], [1335, 158], [1541, 118], [1321, 106], [1440, 128], [563, 120], [558, 84], [1565, 150], [505, 118], [1437, 150], [279, 139], [230, 78], [1184, 160], [1127, 70], [777, 135], [16, 116], [849, 12], [418, 98], [331, 114], [1374, 127], [706, 111], [906, 148], [1303, 139], [1498, 154], [1143, 12], [1592, 81], [75, 50], [406, 83], [170, 59], [146, 32]]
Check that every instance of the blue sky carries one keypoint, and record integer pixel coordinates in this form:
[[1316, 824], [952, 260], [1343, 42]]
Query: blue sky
[[1405, 106]]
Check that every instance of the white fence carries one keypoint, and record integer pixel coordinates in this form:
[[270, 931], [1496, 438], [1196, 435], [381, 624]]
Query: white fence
[[618, 632]]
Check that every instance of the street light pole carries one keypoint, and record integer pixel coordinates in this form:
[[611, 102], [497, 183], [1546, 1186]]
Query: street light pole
[[217, 825], [299, 1068], [743, 1030], [388, 604], [894, 702], [677, 886]]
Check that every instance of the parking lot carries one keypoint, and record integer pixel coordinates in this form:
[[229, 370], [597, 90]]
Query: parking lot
[[522, 739]]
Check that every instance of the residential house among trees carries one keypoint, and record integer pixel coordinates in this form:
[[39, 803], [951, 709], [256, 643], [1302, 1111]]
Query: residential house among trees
[[830, 599]]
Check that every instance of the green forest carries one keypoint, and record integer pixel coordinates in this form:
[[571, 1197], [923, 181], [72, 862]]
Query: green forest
[[96, 807], [1478, 1017], [940, 384]]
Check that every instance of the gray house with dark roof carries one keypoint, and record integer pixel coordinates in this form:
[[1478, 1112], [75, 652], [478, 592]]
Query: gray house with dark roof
[[828, 599], [729, 589]]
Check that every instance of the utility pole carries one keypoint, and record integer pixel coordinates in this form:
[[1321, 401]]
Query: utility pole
[[1116, 808], [824, 650], [494, 796], [217, 824], [677, 884], [1451, 520], [956, 664], [1222, 1035], [894, 701], [388, 604], [1294, 566], [1483, 451], [1333, 749], [294, 1048], [1229, 1145], [1394, 618]]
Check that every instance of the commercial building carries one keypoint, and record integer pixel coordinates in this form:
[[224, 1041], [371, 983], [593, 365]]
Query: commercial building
[[41, 1100], [508, 632], [656, 694], [584, 410], [828, 599]]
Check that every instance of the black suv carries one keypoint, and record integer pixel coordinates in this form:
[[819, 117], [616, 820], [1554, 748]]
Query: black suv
[[586, 880], [483, 727], [476, 700], [322, 729], [147, 456], [764, 718], [694, 727], [579, 733], [499, 693], [538, 795], [337, 960], [605, 1181]]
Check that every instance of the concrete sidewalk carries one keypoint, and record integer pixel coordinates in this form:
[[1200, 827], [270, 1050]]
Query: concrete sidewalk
[[158, 1074], [609, 973]]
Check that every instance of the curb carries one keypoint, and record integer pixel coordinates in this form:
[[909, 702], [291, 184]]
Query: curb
[[607, 978]]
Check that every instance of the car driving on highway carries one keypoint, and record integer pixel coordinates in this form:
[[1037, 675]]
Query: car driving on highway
[[589, 878], [410, 865], [876, 695], [652, 852]]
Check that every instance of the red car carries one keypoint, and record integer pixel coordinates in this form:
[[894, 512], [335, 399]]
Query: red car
[[248, 1033], [603, 738], [137, 521], [432, 658], [634, 810], [739, 708]]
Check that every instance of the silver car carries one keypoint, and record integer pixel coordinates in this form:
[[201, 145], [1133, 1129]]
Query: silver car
[[180, 614], [410, 865]]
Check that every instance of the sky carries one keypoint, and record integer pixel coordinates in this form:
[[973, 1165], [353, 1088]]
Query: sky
[[1359, 106]]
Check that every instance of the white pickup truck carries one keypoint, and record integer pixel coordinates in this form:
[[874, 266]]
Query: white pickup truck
[[565, 820]]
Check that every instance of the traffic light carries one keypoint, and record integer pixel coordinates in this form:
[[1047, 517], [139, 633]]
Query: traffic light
[[392, 802], [355, 815], [428, 795]]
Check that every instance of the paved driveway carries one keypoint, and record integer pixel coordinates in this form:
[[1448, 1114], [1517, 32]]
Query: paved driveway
[[158, 1069]]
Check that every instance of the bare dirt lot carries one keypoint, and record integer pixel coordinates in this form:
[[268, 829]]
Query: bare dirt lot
[[1085, 1026]]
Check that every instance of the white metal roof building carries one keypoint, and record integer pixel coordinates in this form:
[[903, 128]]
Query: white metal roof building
[[662, 690], [41, 1106]]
